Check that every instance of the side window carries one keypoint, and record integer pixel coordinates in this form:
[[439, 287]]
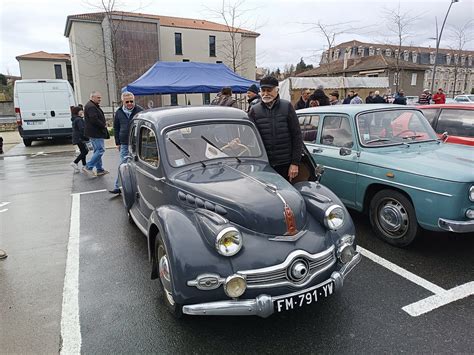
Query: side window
[[148, 148], [456, 123], [336, 131], [133, 139], [309, 127], [430, 115]]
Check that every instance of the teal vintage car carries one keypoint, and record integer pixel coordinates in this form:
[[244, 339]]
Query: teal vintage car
[[387, 161]]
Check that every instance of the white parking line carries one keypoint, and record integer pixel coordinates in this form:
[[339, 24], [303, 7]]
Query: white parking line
[[441, 296], [428, 304], [70, 323], [401, 271], [88, 192]]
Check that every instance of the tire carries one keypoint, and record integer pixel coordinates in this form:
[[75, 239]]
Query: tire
[[393, 218], [27, 142], [166, 280]]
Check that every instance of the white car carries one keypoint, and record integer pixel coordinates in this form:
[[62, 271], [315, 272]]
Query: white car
[[464, 99], [412, 100]]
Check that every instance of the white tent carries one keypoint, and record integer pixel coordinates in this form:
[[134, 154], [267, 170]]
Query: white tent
[[331, 82]]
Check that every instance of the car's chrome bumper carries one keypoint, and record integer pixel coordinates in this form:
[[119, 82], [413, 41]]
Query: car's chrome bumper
[[456, 226], [262, 305]]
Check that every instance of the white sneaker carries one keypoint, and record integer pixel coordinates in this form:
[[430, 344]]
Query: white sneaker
[[75, 167]]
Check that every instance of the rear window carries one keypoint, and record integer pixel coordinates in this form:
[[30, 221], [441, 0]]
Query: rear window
[[456, 123]]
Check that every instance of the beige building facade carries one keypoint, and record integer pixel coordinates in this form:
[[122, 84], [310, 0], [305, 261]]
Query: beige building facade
[[43, 65], [99, 64]]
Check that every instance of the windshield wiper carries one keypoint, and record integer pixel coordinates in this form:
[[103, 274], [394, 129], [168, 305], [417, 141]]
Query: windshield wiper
[[376, 140], [219, 149], [183, 151], [413, 136]]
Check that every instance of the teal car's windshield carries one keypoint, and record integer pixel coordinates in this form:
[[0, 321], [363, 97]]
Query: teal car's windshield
[[204, 142], [393, 127]]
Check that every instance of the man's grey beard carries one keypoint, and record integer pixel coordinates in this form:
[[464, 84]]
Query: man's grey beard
[[267, 99]]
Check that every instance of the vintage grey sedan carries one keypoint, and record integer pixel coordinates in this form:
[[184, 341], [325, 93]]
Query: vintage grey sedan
[[387, 161], [226, 234]]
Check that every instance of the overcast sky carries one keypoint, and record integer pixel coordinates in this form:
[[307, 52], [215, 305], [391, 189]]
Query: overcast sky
[[284, 25]]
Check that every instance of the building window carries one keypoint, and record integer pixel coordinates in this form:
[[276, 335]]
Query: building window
[[432, 58], [406, 56], [178, 44], [395, 78], [58, 71], [388, 52], [206, 99], [413, 79], [379, 51], [414, 56], [174, 99], [371, 50], [212, 46], [448, 59], [219, 61]]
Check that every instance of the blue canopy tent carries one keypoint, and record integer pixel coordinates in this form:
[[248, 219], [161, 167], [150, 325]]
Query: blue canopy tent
[[187, 77]]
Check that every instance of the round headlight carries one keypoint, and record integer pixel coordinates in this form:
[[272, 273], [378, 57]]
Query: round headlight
[[235, 286], [228, 241], [334, 217], [345, 253], [471, 194]]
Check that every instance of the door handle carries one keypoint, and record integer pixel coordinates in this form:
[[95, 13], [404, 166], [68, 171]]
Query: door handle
[[317, 150]]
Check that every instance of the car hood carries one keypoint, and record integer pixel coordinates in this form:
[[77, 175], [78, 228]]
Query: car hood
[[242, 191], [449, 162]]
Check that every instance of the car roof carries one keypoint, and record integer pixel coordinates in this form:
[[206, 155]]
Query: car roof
[[353, 109], [167, 116], [454, 106]]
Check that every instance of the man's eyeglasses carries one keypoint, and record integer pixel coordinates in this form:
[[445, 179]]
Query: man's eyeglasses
[[129, 102]]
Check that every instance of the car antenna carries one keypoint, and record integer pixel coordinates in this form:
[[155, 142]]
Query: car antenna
[[219, 149]]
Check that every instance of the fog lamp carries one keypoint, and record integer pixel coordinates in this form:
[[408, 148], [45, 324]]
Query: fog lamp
[[471, 194], [345, 253], [470, 213], [235, 286]]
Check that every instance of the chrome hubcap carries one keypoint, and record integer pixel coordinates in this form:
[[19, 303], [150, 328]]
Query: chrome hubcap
[[165, 276], [393, 218]]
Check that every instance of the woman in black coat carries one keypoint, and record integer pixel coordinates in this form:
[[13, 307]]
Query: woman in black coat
[[78, 137]]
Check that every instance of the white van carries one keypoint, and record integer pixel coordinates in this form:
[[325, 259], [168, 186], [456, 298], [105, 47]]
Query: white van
[[43, 108]]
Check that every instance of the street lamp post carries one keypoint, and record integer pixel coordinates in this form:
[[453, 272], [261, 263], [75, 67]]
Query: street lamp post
[[438, 40]]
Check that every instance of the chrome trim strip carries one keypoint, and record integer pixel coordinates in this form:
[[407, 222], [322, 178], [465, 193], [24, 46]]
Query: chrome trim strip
[[390, 182], [148, 175], [279, 271], [456, 226]]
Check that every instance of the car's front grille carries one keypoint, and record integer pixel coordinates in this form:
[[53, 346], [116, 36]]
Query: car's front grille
[[279, 275]]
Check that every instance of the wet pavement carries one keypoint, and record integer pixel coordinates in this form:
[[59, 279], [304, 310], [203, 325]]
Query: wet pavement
[[120, 310]]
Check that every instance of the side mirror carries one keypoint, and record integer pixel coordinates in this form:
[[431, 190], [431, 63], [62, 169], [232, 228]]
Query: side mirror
[[345, 151], [444, 136], [318, 172]]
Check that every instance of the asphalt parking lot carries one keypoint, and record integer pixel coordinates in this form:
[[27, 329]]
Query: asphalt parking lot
[[395, 300]]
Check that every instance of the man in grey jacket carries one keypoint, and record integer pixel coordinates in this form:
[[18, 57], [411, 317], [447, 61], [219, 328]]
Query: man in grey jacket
[[123, 118]]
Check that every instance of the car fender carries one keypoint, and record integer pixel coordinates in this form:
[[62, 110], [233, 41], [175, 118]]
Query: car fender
[[128, 182], [188, 252]]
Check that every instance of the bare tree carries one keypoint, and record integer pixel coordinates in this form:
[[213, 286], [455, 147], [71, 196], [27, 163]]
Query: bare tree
[[459, 36], [399, 23], [232, 13], [330, 33]]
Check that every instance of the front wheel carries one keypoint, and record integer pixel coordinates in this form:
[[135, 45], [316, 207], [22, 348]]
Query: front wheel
[[393, 218], [165, 272]]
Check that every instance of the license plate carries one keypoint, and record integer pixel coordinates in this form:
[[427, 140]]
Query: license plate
[[32, 123], [298, 300]]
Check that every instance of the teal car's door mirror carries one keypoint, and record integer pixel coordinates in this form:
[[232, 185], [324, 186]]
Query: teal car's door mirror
[[444, 136]]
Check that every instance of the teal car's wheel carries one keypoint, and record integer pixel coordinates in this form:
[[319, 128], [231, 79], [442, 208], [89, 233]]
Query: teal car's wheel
[[393, 218], [165, 272]]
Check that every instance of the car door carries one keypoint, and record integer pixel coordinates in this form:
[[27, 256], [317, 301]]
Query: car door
[[148, 171], [58, 111], [335, 132], [459, 124], [33, 111]]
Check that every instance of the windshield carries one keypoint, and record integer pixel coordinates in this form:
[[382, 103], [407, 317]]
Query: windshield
[[393, 127], [201, 143]]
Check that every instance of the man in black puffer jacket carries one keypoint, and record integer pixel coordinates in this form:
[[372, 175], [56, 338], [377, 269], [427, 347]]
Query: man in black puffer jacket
[[279, 128], [122, 119]]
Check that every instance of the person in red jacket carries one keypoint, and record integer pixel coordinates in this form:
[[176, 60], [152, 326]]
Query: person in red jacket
[[439, 97]]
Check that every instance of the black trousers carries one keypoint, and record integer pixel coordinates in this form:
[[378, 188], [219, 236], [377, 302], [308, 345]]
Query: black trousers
[[282, 170], [82, 156]]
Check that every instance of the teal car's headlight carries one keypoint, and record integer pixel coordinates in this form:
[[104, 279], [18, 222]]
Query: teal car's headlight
[[471, 194], [334, 217], [228, 241]]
